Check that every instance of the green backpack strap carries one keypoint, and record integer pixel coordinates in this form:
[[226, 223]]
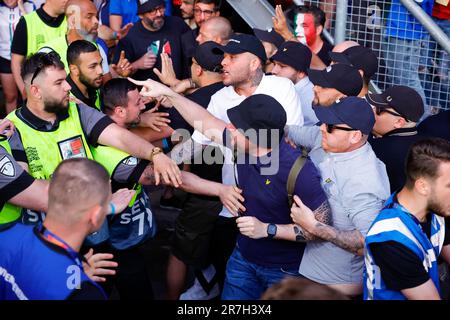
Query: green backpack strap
[[293, 174]]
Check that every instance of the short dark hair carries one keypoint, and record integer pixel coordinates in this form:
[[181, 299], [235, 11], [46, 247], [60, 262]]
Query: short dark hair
[[78, 47], [217, 3], [39, 62], [424, 158], [114, 93], [317, 13]]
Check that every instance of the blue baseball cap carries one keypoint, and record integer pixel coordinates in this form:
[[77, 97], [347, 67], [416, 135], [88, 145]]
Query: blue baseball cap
[[353, 111]]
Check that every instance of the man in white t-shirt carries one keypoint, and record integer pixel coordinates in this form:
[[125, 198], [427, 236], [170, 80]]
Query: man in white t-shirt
[[243, 63]]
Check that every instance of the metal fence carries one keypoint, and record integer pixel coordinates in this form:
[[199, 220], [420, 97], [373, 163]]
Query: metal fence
[[406, 52]]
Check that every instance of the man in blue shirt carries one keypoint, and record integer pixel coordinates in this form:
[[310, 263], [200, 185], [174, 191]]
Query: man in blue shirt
[[42, 262], [410, 233], [403, 37], [264, 161]]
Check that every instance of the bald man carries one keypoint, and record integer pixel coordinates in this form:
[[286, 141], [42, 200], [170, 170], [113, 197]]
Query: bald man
[[82, 25], [217, 29]]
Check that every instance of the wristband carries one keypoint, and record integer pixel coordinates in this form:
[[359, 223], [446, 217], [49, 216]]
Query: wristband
[[112, 208]]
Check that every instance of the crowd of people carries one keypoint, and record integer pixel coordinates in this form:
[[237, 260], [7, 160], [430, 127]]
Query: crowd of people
[[297, 176]]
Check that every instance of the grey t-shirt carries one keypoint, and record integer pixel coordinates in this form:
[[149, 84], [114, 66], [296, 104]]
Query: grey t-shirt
[[357, 185]]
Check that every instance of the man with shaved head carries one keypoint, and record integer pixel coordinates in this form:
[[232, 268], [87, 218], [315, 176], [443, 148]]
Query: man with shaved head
[[217, 29], [82, 24], [42, 262]]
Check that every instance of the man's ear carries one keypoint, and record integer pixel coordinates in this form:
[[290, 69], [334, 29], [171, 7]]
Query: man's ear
[[74, 70], [399, 123], [198, 71], [319, 30], [356, 137], [422, 186], [120, 111], [96, 217], [35, 92]]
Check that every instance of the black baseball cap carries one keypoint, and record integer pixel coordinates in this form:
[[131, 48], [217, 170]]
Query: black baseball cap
[[353, 111], [342, 77], [294, 54], [206, 58], [269, 36], [257, 112], [404, 100], [148, 5], [359, 56], [240, 43]]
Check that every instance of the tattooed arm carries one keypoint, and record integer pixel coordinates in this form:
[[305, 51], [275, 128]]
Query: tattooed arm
[[184, 152], [255, 229], [351, 240]]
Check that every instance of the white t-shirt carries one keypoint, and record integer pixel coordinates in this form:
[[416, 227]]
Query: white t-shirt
[[8, 21], [281, 89]]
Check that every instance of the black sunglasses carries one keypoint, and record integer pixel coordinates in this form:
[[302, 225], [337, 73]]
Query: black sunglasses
[[380, 110], [45, 60], [331, 127]]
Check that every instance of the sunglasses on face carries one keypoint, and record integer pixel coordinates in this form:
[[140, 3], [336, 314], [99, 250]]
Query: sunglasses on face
[[331, 127], [45, 60], [380, 110]]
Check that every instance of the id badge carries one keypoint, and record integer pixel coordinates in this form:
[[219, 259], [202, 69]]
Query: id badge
[[72, 148]]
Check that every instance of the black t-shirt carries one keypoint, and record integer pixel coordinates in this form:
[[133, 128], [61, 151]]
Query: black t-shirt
[[20, 39], [392, 149], [323, 53], [400, 267], [92, 94], [168, 39]]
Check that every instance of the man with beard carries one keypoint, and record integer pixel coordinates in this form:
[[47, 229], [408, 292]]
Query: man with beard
[[83, 24], [50, 129], [187, 13], [85, 77], [32, 31], [410, 233], [152, 35]]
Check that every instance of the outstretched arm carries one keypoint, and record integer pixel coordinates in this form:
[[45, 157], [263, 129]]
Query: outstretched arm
[[199, 118]]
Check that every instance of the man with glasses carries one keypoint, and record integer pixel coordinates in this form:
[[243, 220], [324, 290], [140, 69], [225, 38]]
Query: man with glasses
[[397, 111], [148, 38], [356, 185]]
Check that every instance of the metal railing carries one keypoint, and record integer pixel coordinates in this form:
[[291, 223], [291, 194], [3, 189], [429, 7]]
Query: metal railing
[[412, 48]]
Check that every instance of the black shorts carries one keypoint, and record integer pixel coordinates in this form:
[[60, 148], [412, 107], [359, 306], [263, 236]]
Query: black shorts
[[5, 65], [193, 231]]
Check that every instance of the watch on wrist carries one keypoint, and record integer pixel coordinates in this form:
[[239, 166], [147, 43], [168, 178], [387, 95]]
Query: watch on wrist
[[271, 230], [154, 152]]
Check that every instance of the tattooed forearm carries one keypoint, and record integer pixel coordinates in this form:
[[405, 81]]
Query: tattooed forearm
[[323, 213], [184, 152], [352, 241]]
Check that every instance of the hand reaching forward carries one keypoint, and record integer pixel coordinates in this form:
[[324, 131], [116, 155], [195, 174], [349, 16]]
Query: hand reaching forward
[[96, 265], [231, 197]]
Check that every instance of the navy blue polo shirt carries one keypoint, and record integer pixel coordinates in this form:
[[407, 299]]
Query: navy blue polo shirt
[[266, 199]]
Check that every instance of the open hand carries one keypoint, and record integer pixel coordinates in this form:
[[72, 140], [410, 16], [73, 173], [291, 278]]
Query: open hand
[[97, 265], [231, 197]]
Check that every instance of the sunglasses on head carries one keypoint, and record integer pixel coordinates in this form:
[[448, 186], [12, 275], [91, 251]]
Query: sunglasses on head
[[45, 60], [331, 127]]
